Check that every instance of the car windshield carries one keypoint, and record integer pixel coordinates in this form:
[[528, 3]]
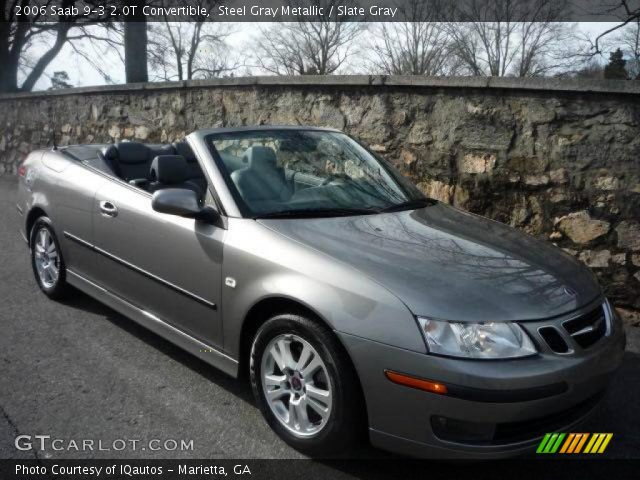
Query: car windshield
[[297, 173]]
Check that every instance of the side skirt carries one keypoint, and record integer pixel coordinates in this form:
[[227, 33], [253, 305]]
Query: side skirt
[[185, 341]]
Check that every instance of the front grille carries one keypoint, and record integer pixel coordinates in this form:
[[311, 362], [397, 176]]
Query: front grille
[[587, 329], [554, 339]]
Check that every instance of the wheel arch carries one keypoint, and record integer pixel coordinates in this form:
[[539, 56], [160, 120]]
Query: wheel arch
[[35, 213], [260, 312]]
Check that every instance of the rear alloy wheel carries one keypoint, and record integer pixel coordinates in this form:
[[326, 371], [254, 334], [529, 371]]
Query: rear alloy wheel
[[305, 385], [46, 259]]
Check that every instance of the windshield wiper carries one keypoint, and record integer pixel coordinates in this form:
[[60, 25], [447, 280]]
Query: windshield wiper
[[317, 213], [409, 205]]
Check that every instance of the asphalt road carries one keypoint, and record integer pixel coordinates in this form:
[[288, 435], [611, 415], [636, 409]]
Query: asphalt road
[[79, 370]]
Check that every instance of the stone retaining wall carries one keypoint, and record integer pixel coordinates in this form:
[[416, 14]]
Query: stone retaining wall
[[559, 159]]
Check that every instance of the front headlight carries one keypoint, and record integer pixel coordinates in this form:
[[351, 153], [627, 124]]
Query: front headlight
[[488, 340]]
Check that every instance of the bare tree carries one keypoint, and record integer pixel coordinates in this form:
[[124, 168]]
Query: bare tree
[[514, 38], [19, 31], [591, 69], [419, 46], [172, 50], [302, 48], [628, 39], [547, 47], [217, 61], [628, 11], [188, 50], [95, 42]]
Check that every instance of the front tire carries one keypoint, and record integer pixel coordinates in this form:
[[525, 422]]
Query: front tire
[[46, 260], [305, 385]]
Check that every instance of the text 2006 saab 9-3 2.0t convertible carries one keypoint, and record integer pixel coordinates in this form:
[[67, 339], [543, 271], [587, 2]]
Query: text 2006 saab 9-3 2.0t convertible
[[352, 301]]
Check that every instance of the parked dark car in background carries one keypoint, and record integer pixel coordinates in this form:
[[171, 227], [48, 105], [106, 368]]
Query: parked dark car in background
[[352, 301]]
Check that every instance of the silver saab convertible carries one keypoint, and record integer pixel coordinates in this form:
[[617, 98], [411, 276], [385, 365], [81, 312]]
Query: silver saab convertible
[[353, 302]]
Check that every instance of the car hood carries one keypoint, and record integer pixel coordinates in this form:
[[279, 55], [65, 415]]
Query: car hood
[[448, 264]]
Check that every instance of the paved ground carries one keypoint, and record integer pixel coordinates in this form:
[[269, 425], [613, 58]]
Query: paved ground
[[81, 370]]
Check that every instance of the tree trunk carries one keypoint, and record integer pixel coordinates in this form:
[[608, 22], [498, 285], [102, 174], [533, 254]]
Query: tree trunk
[[8, 62], [135, 50], [44, 61], [8, 74]]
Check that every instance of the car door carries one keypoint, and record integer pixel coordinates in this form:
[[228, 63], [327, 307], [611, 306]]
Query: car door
[[75, 189], [166, 265]]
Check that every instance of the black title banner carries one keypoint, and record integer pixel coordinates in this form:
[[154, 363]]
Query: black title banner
[[323, 10]]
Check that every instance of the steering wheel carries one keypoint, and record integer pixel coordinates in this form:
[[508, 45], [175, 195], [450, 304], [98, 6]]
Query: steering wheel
[[335, 176]]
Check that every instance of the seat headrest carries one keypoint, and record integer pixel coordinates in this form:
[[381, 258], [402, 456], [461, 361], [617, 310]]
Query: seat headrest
[[169, 169], [260, 157], [127, 152], [110, 152], [156, 150], [183, 148]]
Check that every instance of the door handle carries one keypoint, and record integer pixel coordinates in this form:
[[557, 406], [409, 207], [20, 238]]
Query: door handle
[[108, 209]]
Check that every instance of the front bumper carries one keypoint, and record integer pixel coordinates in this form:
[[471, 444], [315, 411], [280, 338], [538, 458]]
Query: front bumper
[[410, 421]]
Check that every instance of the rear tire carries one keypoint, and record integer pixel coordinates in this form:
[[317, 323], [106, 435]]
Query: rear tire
[[306, 386], [47, 261]]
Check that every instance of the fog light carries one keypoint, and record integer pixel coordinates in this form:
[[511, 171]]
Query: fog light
[[462, 431]]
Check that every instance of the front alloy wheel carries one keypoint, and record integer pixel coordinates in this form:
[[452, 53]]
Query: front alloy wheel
[[46, 259], [306, 386], [295, 382]]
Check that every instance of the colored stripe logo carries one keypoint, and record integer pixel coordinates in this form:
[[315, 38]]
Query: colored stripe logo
[[574, 443]]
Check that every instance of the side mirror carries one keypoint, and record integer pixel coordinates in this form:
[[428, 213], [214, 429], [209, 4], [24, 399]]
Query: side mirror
[[176, 201], [184, 203]]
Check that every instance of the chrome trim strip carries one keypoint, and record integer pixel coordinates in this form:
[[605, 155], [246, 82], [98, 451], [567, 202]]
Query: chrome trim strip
[[154, 277], [588, 329], [151, 316], [608, 316], [201, 344], [141, 271], [594, 325], [78, 240]]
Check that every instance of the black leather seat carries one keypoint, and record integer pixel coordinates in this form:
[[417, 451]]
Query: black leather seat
[[171, 171], [194, 171], [131, 160], [262, 180]]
